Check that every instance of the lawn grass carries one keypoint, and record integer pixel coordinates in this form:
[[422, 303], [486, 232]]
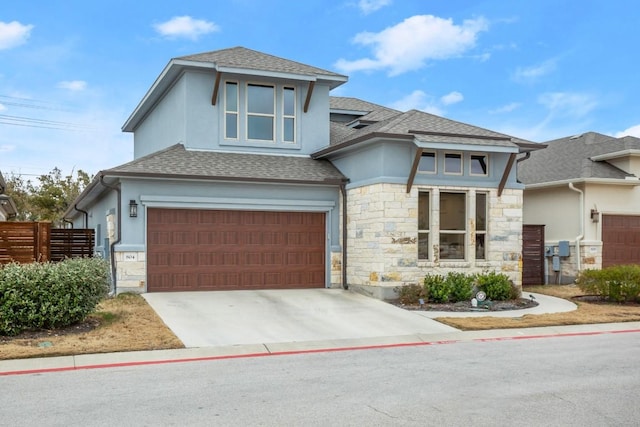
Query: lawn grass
[[124, 323], [587, 313]]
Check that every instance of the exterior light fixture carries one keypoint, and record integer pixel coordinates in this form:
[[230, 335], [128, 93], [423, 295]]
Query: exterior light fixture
[[133, 209]]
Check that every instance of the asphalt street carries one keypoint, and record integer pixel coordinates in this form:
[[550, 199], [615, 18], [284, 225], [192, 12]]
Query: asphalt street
[[580, 380]]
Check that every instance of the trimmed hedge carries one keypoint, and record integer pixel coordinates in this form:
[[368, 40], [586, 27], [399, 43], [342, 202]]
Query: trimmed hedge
[[455, 287], [620, 283], [50, 295]]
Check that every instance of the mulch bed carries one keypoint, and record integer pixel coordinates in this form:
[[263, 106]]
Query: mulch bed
[[465, 306], [89, 324]]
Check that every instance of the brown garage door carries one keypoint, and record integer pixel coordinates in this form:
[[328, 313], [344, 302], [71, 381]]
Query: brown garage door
[[620, 240], [189, 249]]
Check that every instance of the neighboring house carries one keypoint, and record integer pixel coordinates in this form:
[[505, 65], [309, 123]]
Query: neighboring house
[[247, 174], [7, 206], [585, 190]]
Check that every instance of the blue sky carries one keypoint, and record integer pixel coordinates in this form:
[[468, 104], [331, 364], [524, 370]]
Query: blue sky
[[71, 71]]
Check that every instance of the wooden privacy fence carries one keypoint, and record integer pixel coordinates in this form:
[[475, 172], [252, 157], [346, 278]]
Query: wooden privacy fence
[[26, 242]]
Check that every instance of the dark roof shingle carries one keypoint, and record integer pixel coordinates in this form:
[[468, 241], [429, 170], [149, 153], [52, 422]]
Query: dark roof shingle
[[178, 162]]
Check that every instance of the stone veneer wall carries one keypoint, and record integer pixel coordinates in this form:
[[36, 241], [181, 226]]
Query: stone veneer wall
[[131, 271], [383, 232], [590, 258]]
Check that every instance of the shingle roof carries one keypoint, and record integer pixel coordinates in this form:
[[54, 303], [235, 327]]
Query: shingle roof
[[426, 127], [241, 57], [371, 112], [178, 162], [570, 159]]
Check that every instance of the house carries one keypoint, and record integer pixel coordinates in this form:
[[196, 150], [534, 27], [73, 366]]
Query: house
[[585, 190], [247, 174], [8, 208]]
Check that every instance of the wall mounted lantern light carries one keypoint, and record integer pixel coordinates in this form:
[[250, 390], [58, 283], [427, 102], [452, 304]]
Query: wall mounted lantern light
[[133, 209]]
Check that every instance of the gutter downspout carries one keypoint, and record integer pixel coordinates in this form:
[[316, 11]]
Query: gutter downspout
[[343, 190], [66, 221], [119, 234], [581, 235], [86, 215]]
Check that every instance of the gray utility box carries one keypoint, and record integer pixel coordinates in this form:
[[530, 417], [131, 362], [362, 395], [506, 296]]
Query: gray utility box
[[563, 248]]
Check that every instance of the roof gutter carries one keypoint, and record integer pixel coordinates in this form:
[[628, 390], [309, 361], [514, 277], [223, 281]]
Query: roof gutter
[[581, 235]]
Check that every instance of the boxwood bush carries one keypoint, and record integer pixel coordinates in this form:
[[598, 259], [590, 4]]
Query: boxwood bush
[[455, 287], [50, 295], [620, 283]]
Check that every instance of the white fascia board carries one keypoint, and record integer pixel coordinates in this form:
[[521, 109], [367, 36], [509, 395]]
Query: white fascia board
[[630, 181], [465, 147], [269, 74], [617, 154]]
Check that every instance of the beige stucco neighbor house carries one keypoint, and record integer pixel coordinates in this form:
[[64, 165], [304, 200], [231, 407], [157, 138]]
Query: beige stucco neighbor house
[[585, 190], [7, 206]]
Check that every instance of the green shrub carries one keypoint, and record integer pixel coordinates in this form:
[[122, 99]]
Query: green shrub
[[619, 283], [50, 295], [496, 286], [438, 289], [461, 286]]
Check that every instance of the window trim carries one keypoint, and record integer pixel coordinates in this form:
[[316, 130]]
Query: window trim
[[435, 163], [486, 224], [287, 116], [471, 156], [236, 112], [426, 231], [248, 114], [464, 232], [461, 157]]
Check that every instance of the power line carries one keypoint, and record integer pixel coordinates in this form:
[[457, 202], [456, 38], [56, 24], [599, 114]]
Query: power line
[[41, 123]]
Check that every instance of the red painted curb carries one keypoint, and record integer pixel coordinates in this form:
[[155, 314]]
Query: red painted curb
[[295, 352]]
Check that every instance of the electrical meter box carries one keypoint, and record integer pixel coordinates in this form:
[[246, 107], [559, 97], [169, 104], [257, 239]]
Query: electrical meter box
[[548, 251], [563, 248]]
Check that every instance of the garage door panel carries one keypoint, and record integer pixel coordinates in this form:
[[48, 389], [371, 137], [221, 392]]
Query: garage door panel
[[214, 249], [620, 240]]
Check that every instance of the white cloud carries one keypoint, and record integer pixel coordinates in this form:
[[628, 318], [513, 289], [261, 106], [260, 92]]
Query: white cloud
[[632, 131], [7, 148], [185, 27], [13, 34], [564, 104], [3, 108], [452, 98], [534, 72], [506, 108], [73, 85], [370, 6], [417, 100], [410, 44]]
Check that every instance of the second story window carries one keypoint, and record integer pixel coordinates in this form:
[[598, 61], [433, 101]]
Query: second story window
[[288, 114], [479, 165], [260, 112], [427, 163], [231, 110], [453, 163]]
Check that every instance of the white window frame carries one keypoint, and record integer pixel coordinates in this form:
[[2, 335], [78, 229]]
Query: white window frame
[[435, 163], [461, 157], [289, 116], [486, 224], [231, 112], [250, 114], [427, 231], [486, 157], [464, 232]]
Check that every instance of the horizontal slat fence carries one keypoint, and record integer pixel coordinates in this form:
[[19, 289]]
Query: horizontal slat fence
[[26, 242]]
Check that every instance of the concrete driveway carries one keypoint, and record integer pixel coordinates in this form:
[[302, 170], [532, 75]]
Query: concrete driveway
[[209, 319]]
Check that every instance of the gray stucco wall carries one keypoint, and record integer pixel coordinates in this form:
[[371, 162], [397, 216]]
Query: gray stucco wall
[[391, 161], [186, 115]]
